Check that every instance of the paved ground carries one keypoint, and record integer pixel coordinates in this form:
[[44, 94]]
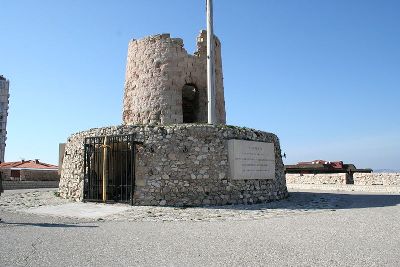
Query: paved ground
[[309, 229], [347, 187]]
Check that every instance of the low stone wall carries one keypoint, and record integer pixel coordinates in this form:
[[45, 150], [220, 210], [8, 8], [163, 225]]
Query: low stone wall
[[377, 179], [6, 174], [320, 178], [31, 175], [12, 185], [185, 164], [39, 175]]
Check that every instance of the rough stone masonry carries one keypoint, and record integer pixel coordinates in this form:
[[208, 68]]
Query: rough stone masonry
[[182, 161], [158, 72], [180, 165]]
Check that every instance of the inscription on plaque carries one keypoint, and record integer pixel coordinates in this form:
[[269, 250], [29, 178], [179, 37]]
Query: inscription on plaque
[[251, 160]]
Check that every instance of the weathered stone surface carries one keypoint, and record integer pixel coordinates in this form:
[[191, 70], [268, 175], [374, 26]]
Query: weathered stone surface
[[385, 179], [377, 179], [197, 174], [320, 178], [158, 68]]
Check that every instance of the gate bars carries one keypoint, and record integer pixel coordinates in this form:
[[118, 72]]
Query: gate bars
[[109, 168]]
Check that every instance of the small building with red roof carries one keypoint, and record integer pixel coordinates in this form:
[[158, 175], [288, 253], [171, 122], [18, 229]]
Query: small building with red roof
[[322, 171], [323, 166], [29, 170]]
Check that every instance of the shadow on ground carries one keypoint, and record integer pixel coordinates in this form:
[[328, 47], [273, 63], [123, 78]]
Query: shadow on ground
[[358, 201], [315, 201], [47, 225]]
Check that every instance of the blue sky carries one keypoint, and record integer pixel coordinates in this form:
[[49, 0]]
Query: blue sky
[[322, 75]]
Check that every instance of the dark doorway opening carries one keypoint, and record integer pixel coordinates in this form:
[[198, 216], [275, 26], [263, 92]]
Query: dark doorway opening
[[190, 103], [15, 173], [109, 166]]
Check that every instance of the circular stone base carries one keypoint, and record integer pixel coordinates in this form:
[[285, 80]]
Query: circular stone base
[[181, 165]]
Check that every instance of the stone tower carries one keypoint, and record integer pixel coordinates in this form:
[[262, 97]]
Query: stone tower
[[166, 85], [180, 159], [4, 95]]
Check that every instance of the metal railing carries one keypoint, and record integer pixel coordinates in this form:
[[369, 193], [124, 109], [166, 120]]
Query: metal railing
[[109, 167]]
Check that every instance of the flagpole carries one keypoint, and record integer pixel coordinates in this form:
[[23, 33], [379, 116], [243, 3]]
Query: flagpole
[[210, 64]]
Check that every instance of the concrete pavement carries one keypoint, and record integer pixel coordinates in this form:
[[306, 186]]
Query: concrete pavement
[[361, 231]]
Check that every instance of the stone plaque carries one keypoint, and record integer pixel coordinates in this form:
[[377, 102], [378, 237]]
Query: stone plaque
[[251, 160]]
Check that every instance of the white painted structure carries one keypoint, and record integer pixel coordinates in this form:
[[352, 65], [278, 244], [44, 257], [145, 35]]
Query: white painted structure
[[4, 96], [210, 64]]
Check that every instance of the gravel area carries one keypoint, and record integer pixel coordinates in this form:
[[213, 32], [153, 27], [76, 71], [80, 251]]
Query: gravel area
[[297, 203], [24, 199]]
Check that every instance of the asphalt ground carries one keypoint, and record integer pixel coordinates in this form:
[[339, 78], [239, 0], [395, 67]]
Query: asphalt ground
[[361, 231]]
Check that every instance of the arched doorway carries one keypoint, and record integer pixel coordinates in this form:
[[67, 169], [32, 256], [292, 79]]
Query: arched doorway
[[190, 103]]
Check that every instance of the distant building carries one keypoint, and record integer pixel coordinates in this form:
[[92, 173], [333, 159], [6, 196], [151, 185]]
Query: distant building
[[323, 166], [29, 170], [4, 96], [322, 172]]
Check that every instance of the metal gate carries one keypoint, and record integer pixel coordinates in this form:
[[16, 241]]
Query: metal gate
[[109, 168]]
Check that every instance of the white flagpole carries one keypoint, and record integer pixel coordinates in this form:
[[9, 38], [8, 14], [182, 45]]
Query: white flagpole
[[210, 64]]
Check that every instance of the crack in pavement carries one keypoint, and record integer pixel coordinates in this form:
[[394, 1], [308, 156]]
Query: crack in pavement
[[34, 250]]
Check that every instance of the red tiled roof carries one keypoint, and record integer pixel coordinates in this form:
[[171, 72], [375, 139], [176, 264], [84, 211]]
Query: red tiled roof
[[333, 164], [27, 164], [317, 161]]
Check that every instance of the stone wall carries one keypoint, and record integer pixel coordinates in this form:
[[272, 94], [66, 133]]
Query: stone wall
[[6, 174], [13, 185], [40, 175], [387, 179], [158, 68], [183, 164], [320, 178], [31, 175], [377, 179]]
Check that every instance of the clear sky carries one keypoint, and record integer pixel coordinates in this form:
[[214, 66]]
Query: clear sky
[[322, 75]]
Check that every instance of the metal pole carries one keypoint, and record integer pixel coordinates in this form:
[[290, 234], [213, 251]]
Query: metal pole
[[85, 174], [105, 169], [210, 65], [133, 170]]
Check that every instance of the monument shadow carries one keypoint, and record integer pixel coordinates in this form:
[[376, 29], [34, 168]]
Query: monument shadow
[[48, 225], [320, 201]]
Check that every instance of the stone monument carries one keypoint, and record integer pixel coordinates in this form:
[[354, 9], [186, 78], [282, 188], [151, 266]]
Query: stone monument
[[165, 153]]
